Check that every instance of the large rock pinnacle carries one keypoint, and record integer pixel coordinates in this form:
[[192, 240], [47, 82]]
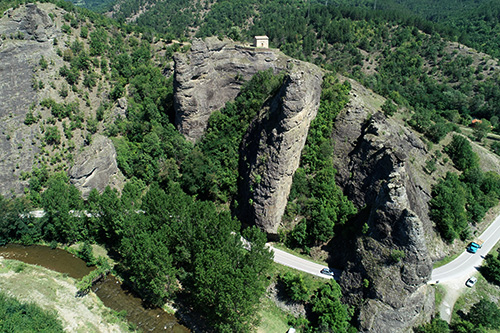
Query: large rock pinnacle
[[274, 144], [379, 164], [210, 75]]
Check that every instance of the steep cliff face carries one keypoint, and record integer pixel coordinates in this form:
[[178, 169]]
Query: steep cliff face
[[26, 31], [212, 74], [380, 168], [273, 145]]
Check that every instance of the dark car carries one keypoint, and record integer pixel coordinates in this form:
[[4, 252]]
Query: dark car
[[327, 271]]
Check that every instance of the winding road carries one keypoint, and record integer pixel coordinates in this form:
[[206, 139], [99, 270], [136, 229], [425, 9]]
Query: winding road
[[290, 260], [453, 275], [468, 263]]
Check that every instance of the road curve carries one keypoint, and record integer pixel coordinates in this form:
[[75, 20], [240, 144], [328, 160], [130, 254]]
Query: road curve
[[467, 263], [290, 260]]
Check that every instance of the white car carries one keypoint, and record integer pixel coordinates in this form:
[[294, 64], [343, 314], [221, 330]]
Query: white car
[[471, 282]]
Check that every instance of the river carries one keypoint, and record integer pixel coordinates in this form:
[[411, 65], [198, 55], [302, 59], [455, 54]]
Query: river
[[111, 292]]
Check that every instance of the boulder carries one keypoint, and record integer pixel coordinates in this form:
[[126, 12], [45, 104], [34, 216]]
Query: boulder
[[96, 167]]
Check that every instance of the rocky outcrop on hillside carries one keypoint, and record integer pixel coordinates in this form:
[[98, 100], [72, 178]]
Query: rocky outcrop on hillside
[[25, 32], [28, 33], [96, 167], [212, 74], [273, 145], [30, 21], [379, 164]]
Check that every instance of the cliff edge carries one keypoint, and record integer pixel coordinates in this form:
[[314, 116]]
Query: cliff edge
[[379, 164]]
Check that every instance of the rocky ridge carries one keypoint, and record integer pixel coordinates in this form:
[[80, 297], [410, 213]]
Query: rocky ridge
[[26, 32], [210, 75], [376, 158], [273, 145]]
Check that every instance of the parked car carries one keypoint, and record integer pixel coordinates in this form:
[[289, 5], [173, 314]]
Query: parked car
[[327, 271], [471, 282]]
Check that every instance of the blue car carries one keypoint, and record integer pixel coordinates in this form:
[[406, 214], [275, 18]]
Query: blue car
[[474, 246]]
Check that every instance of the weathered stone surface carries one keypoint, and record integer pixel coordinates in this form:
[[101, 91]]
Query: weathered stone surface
[[31, 21], [212, 74], [273, 146], [95, 167], [18, 142], [28, 32], [375, 157]]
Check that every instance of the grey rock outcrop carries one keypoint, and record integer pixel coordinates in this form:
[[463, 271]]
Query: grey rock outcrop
[[212, 74], [18, 142], [96, 167], [32, 21], [273, 146], [376, 161]]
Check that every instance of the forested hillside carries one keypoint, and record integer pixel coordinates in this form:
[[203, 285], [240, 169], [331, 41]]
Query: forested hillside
[[173, 223]]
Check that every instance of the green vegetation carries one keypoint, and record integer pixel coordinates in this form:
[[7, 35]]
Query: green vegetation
[[491, 268], [211, 169], [458, 200], [314, 193], [23, 317], [436, 325], [295, 286], [184, 237]]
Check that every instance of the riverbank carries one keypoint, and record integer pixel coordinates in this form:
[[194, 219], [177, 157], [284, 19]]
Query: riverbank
[[55, 291]]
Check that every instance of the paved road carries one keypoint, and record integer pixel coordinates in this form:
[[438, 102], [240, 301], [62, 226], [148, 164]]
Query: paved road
[[281, 257], [290, 260], [453, 275], [467, 263]]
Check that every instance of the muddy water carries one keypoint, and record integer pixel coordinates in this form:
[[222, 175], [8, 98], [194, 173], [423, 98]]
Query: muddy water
[[110, 290]]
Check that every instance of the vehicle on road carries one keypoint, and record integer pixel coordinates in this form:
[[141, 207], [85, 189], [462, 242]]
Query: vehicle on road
[[474, 246], [327, 271], [471, 282]]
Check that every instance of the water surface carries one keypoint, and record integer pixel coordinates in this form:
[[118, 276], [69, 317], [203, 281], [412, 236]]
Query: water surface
[[111, 292]]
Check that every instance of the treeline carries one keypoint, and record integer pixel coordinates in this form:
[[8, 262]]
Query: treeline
[[459, 201]]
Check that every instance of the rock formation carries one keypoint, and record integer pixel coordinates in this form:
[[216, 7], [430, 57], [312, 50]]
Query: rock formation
[[95, 167], [210, 75], [27, 30], [379, 164], [273, 146], [28, 34]]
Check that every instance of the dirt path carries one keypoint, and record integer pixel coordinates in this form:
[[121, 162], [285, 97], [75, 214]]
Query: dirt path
[[454, 288], [56, 292]]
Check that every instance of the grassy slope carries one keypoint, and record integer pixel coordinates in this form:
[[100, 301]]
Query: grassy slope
[[56, 292]]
